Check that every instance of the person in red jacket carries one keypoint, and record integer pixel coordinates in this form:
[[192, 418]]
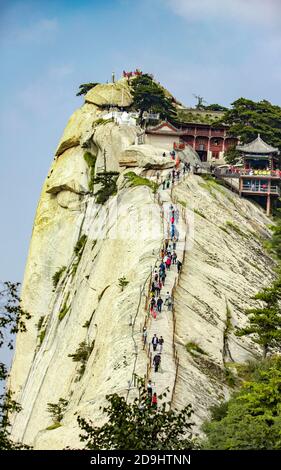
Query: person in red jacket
[[154, 401]]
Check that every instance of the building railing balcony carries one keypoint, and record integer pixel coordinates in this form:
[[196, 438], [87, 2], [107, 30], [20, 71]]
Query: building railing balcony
[[251, 172], [233, 172], [202, 133], [218, 133], [260, 187]]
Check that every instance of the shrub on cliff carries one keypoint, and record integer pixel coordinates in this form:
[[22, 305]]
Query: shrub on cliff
[[107, 180]]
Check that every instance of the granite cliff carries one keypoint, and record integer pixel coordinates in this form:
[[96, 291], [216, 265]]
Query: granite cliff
[[89, 247]]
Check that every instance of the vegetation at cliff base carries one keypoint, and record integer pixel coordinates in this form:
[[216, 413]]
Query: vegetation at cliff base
[[251, 419], [12, 320], [138, 425], [265, 320]]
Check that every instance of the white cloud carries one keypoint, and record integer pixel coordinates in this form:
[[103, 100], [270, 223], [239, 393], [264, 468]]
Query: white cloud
[[262, 12]]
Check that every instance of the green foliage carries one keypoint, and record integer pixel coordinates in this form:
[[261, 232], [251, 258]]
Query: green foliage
[[82, 355], [102, 293], [123, 282], [12, 320], [101, 121], [232, 155], [251, 419], [136, 180], [186, 115], [235, 228], [57, 410], [183, 203], [63, 312], [215, 107], [247, 118], [80, 245], [200, 213], [40, 323], [85, 87], [223, 229], [150, 96], [265, 320], [193, 348], [53, 426], [229, 377], [78, 251], [56, 277], [138, 426], [91, 162], [8, 407], [107, 180], [275, 242], [42, 336]]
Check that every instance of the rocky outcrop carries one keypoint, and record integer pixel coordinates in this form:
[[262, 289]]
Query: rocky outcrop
[[79, 126], [110, 94], [145, 156], [89, 247], [225, 265]]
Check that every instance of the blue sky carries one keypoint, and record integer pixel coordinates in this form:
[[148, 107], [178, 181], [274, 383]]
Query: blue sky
[[219, 49]]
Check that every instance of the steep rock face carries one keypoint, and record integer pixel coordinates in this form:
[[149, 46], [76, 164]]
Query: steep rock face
[[145, 156], [224, 265], [79, 126]]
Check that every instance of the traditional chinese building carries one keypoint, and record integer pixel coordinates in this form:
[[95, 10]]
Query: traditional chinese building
[[260, 177], [209, 141]]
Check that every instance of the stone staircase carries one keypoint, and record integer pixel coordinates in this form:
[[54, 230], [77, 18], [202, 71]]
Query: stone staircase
[[164, 324]]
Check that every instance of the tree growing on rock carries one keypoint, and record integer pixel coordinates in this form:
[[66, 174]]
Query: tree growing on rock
[[85, 87], [107, 180], [149, 96], [139, 426], [265, 320]]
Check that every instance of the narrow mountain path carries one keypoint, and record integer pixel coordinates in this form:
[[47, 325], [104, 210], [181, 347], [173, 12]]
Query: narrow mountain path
[[164, 324]]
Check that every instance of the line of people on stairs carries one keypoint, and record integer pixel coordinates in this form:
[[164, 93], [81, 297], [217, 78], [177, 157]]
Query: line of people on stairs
[[168, 258]]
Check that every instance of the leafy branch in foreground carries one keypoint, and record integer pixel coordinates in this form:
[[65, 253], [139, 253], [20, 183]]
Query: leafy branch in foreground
[[139, 425], [12, 320]]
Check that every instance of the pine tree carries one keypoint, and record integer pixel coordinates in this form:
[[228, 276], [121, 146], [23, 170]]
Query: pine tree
[[149, 96], [107, 180], [265, 320], [248, 118]]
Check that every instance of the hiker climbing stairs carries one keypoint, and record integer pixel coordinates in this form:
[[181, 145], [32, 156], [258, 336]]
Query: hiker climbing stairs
[[164, 323]]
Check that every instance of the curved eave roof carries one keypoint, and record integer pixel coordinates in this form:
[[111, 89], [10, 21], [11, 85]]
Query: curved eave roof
[[257, 146]]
